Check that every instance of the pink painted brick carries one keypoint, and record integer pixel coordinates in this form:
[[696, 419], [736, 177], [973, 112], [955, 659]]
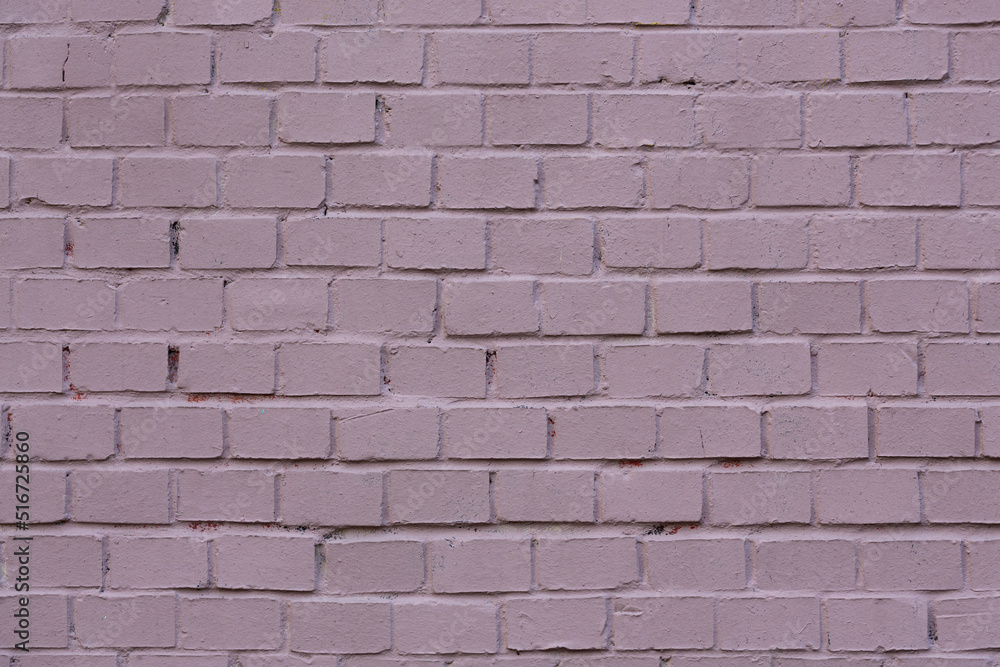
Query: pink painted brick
[[650, 496], [438, 119], [867, 496], [57, 561], [34, 11], [838, 13], [493, 182], [966, 623], [339, 627], [871, 624], [48, 499], [246, 368], [385, 306], [279, 433], [688, 56], [544, 11], [494, 433], [284, 57], [622, 121], [29, 242], [120, 496], [988, 307], [455, 372], [895, 55], [954, 118], [663, 622], [438, 496], [983, 557], [828, 431], [157, 562], [168, 181], [544, 370], [269, 304], [436, 12], [326, 118], [480, 565], [793, 307], [4, 182], [183, 660], [317, 12], [221, 120], [790, 565], [967, 497], [709, 432], [333, 242], [275, 181], [75, 181], [582, 564], [910, 566], [779, 56], [245, 562], [769, 623], [746, 13], [980, 186], [436, 243], [855, 119], [170, 433], [328, 498], [30, 367], [718, 306], [757, 243], [181, 305], [578, 57], [380, 179], [976, 55], [863, 242], [380, 56], [708, 182], [118, 366], [660, 243], [434, 627], [116, 121], [956, 369], [639, 11], [39, 61], [225, 495], [193, 12], [227, 243], [49, 617], [65, 433], [967, 11], [857, 369], [121, 242], [926, 431], [489, 307], [537, 119], [750, 498], [142, 621], [31, 122], [759, 369], [589, 308], [703, 565], [586, 433], [394, 434], [610, 181], [959, 242], [635, 371], [990, 417], [910, 180], [374, 567], [346, 369], [738, 121], [64, 304], [481, 58], [219, 623], [163, 59], [545, 495], [572, 623], [802, 180], [111, 10], [542, 246]]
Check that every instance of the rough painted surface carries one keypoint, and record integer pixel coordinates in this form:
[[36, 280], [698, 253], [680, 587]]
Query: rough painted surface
[[507, 333]]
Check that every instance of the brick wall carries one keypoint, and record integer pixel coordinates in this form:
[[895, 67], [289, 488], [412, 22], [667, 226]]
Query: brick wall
[[502, 333]]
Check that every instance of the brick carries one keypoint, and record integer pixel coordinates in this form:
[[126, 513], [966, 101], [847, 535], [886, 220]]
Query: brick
[[438, 496], [118, 366], [435, 12], [48, 501], [674, 12], [955, 118], [862, 242], [637, 370], [717, 306], [332, 369], [221, 120], [769, 623], [576, 57], [168, 181], [871, 624], [979, 179], [64, 304], [374, 567], [545, 495], [480, 565], [855, 119], [736, 121], [279, 433], [706, 182], [959, 242], [242, 368], [839, 13], [910, 180], [749, 498], [537, 119], [542, 246], [64, 181], [481, 58], [339, 627], [969, 496], [285, 57], [895, 55], [230, 623], [227, 495], [621, 121], [494, 433], [38, 62], [580, 182], [818, 432], [454, 372], [909, 566], [791, 307], [268, 304], [966, 623], [58, 561], [30, 367], [387, 306], [859, 369], [432, 627], [926, 431], [867, 496], [493, 182], [759, 369], [193, 12], [402, 434], [4, 182], [650, 496], [121, 243], [448, 243], [185, 660], [987, 307], [27, 242], [140, 622], [975, 56], [380, 179], [990, 417], [285, 181], [489, 307], [802, 180], [983, 557], [246, 562], [34, 11], [586, 308], [680, 564], [789, 565], [333, 242], [116, 121], [656, 243], [507, 12], [31, 122], [710, 431], [227, 243], [438, 119], [545, 370], [111, 10], [757, 243], [380, 56], [157, 562], [536, 624], [688, 57], [969, 11], [120, 496], [584, 564], [779, 56], [747, 13], [663, 622], [66, 433], [326, 118], [170, 433], [181, 305], [317, 12], [328, 498], [585, 433], [955, 369], [49, 616], [163, 59]]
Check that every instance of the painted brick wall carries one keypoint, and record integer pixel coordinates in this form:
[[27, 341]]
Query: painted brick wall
[[502, 333]]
